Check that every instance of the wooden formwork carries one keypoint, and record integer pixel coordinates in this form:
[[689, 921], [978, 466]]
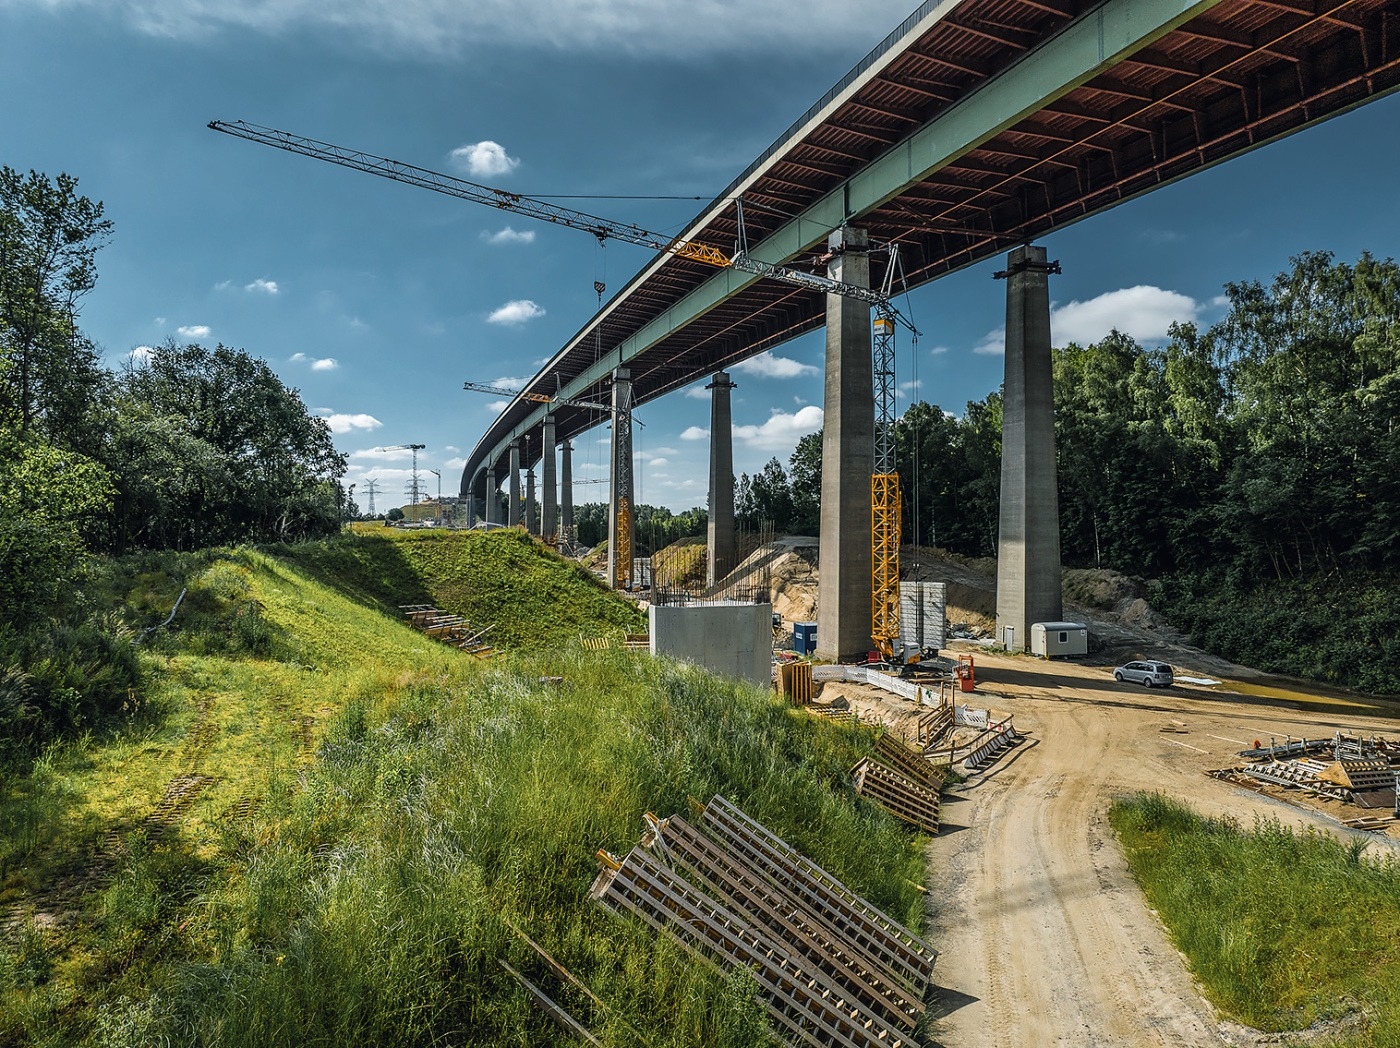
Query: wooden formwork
[[906, 958], [1371, 773], [897, 795], [803, 1006], [780, 914], [934, 726], [912, 765], [795, 682]]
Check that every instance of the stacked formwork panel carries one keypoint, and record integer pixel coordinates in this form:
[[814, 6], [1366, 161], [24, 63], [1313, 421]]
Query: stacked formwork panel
[[831, 969]]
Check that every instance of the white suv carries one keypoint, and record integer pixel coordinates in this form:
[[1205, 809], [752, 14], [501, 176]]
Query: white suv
[[1148, 674]]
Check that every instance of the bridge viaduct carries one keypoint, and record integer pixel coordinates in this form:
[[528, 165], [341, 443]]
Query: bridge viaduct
[[974, 127]]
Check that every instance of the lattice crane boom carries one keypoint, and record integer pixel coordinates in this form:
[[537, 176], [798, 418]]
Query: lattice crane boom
[[542, 210]]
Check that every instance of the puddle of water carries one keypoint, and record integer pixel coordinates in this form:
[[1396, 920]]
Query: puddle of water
[[1316, 696]]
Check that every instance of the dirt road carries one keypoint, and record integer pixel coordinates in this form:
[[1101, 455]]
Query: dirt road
[[1044, 937]]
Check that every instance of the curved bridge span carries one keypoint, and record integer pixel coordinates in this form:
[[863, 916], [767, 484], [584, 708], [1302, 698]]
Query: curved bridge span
[[976, 125]]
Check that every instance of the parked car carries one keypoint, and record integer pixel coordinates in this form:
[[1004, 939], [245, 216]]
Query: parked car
[[1148, 674]]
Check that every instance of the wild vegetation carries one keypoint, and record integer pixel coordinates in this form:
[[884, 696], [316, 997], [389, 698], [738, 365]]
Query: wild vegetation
[[1283, 929], [322, 825]]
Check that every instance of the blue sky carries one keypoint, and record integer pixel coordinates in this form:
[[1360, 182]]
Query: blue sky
[[377, 300]]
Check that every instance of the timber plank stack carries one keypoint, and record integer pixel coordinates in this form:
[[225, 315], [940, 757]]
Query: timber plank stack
[[449, 628]]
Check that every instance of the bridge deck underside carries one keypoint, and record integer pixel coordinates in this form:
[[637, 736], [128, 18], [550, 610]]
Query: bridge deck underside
[[1242, 73]]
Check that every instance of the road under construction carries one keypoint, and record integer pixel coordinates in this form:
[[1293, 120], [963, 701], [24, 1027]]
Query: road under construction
[[973, 128]]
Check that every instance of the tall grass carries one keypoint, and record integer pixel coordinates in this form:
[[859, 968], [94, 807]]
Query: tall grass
[[365, 898], [1281, 928]]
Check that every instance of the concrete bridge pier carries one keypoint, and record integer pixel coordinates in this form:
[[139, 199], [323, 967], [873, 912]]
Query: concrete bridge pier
[[848, 458], [513, 507], [532, 516], [1028, 549], [492, 497], [549, 523], [720, 537], [621, 527], [566, 490]]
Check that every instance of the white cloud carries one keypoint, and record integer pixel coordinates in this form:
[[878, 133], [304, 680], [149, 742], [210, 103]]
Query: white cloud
[[993, 344], [193, 331], [266, 287], [451, 447], [695, 433], [937, 351], [509, 236], [1143, 313], [160, 322], [223, 285], [383, 454], [141, 353], [658, 463], [509, 382], [697, 392], [516, 312], [325, 364], [909, 387], [497, 406], [484, 159], [782, 430], [343, 423], [767, 365], [454, 464], [450, 28]]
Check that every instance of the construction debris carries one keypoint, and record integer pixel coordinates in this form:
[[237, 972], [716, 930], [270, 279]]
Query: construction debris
[[831, 969], [898, 795], [449, 628], [1362, 771]]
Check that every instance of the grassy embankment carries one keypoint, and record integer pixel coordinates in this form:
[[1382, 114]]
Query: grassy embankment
[[1282, 929], [320, 827]]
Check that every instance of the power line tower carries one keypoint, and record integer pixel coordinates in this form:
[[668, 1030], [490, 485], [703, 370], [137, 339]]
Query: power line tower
[[372, 487]]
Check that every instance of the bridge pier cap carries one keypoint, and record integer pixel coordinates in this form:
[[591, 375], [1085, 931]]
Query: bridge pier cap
[[848, 458], [1028, 546]]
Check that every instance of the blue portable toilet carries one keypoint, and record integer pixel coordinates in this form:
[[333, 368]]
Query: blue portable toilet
[[804, 637]]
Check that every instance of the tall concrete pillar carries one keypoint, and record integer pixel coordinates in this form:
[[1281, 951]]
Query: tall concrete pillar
[[492, 497], [1028, 550], [532, 513], [566, 489], [513, 509], [621, 513], [721, 528], [549, 522], [848, 458]]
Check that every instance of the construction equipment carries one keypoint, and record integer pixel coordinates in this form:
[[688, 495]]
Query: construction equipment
[[530, 207], [886, 499], [414, 487], [539, 398]]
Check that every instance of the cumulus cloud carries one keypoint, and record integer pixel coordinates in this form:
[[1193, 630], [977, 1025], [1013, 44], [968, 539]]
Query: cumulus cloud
[[1143, 312], [768, 365], [455, 464], [697, 392], [343, 423], [782, 430], [509, 382], [450, 28], [509, 236], [516, 312], [223, 285], [322, 364], [937, 351], [141, 353], [695, 433], [262, 286], [193, 331], [497, 406], [484, 159]]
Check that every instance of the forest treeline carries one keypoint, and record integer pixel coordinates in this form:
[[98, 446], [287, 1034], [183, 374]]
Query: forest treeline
[[1251, 469], [181, 447]]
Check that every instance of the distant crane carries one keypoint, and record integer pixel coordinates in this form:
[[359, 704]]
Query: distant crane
[[413, 487]]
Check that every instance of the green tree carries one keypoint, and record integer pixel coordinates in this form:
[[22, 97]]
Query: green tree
[[49, 238], [805, 483], [209, 446]]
